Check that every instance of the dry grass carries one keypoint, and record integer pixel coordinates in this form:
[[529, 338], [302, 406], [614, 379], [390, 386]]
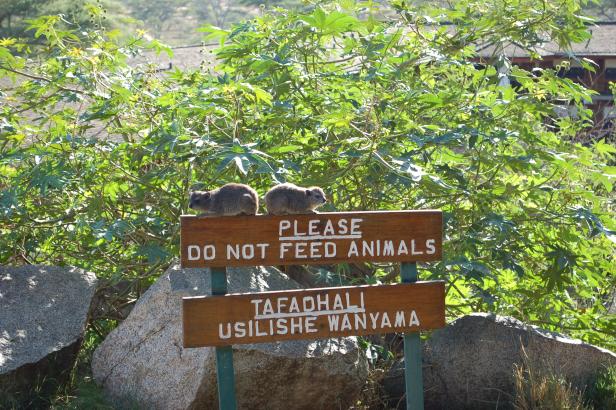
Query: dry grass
[[372, 395], [540, 389]]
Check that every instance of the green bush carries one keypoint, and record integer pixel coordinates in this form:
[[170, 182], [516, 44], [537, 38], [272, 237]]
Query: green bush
[[97, 156], [602, 393]]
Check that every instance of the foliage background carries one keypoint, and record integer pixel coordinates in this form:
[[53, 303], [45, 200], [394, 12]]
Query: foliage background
[[176, 22], [387, 110]]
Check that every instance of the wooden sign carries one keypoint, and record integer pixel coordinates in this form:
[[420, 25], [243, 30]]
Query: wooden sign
[[380, 236], [312, 314]]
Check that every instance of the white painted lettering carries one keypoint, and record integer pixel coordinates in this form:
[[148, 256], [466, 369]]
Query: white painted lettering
[[374, 316], [240, 329], [268, 308], [296, 324], [352, 250], [355, 226], [300, 249], [368, 249], [233, 251], [348, 301], [312, 227], [402, 249], [413, 252], [314, 249], [323, 304], [329, 228], [334, 321], [346, 323], [430, 247], [338, 302], [262, 247], [221, 334], [194, 252], [296, 231], [256, 302], [385, 322], [414, 321], [360, 321], [209, 252], [281, 303], [294, 307], [284, 248], [305, 303], [330, 250], [258, 333], [281, 326], [309, 324], [388, 248], [283, 226], [248, 251], [342, 227], [400, 319]]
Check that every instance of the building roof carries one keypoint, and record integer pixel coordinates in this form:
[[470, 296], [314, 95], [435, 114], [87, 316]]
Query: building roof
[[601, 43]]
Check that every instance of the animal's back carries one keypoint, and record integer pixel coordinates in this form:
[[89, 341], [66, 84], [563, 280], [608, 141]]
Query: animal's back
[[233, 199], [284, 198]]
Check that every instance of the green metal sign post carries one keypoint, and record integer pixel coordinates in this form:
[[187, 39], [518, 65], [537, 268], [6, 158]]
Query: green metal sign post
[[413, 378], [224, 355]]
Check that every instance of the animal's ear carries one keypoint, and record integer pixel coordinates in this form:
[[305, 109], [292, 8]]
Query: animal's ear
[[206, 195], [308, 192]]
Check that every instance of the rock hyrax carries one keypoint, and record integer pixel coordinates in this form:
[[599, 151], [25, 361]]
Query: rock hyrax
[[291, 199], [228, 200]]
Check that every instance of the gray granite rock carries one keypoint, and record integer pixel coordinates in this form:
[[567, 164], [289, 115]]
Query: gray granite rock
[[143, 363], [43, 315], [470, 363]]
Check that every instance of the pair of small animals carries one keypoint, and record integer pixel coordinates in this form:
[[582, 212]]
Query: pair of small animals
[[240, 199]]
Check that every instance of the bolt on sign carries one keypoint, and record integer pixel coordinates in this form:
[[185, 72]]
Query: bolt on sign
[[312, 314], [380, 236]]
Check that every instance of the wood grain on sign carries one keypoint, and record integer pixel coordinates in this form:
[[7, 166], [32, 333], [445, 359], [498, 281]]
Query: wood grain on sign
[[381, 236], [312, 314]]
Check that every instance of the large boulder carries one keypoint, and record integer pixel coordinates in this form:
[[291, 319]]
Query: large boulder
[[142, 362], [470, 363], [43, 315]]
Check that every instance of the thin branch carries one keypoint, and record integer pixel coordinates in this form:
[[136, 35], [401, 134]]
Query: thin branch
[[40, 78]]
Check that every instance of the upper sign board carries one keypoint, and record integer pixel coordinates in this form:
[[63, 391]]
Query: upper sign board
[[324, 238]]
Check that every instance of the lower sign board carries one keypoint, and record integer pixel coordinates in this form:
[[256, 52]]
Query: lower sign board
[[312, 314]]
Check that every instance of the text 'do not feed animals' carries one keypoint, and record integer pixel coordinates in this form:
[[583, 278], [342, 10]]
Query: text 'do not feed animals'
[[228, 200], [323, 238]]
